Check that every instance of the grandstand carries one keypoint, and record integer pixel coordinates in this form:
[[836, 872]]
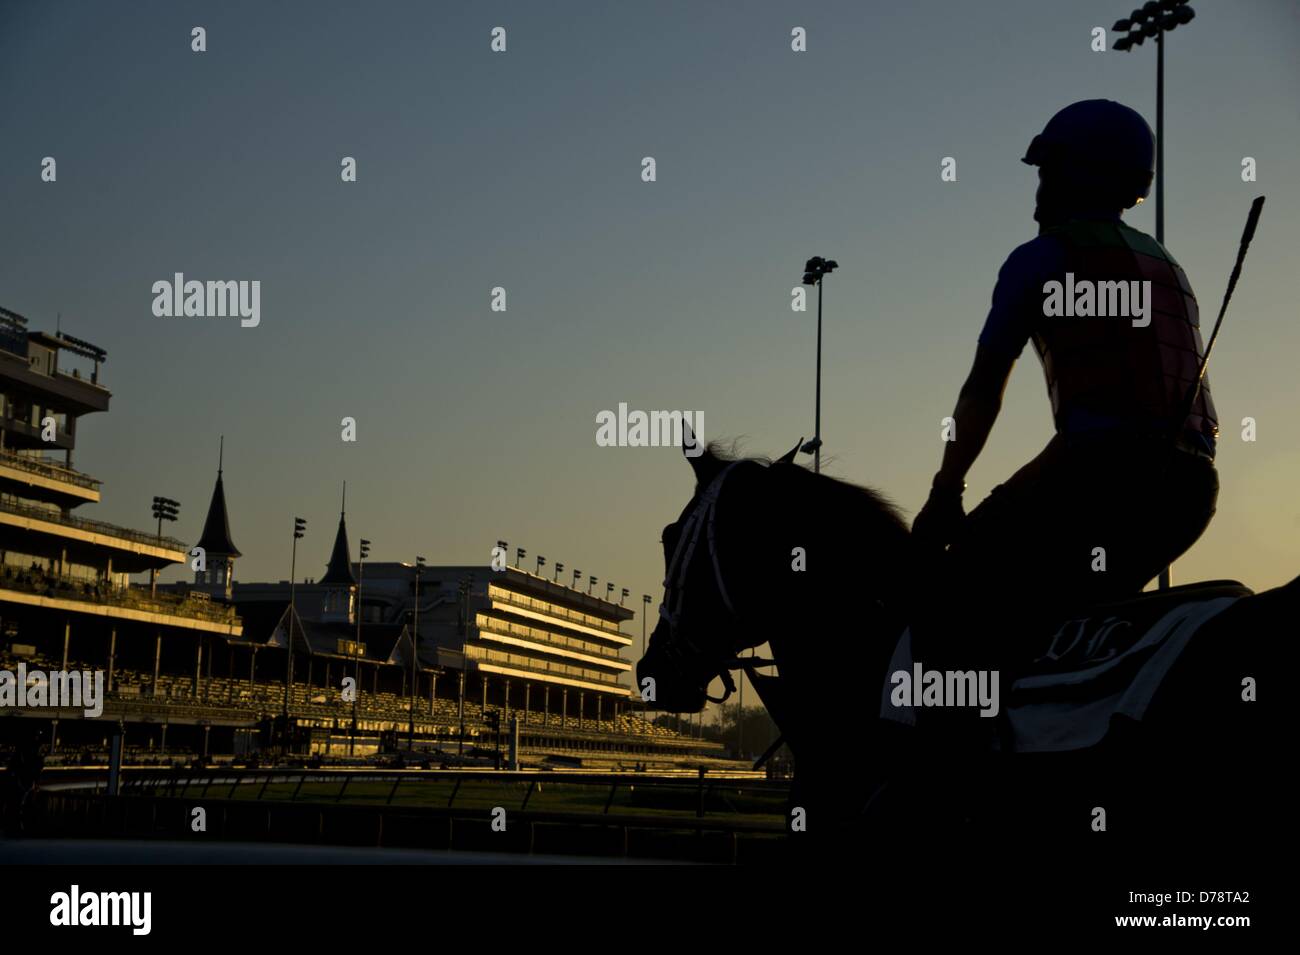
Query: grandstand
[[217, 669]]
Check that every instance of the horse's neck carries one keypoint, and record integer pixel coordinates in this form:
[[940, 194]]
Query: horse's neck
[[819, 646], [815, 578]]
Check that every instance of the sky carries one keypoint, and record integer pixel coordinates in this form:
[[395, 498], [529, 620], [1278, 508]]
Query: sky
[[523, 170]]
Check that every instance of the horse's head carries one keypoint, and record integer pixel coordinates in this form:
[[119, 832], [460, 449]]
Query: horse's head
[[700, 629]]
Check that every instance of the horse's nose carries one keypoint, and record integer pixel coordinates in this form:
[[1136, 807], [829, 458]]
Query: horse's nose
[[647, 668], [653, 682]]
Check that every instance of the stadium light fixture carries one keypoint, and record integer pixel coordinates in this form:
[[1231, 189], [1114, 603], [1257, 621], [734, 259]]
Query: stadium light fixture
[[164, 509]]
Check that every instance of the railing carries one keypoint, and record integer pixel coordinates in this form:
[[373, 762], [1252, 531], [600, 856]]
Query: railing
[[227, 699], [95, 527], [16, 425], [75, 374], [75, 588], [143, 706], [714, 816], [700, 787], [49, 469]]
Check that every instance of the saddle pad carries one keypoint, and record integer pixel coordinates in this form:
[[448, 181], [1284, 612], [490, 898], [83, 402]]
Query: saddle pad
[[1092, 671], [1072, 709]]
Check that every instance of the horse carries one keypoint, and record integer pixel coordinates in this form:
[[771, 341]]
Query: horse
[[1137, 718]]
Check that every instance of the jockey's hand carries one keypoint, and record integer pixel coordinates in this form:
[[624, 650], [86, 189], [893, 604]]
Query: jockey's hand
[[936, 525]]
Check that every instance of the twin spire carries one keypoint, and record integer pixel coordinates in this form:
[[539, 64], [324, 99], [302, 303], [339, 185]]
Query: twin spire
[[216, 540], [339, 571]]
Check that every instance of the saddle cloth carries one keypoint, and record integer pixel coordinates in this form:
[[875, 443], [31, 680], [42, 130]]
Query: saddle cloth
[[1109, 663]]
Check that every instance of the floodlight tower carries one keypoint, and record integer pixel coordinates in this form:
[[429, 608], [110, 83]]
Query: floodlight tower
[[356, 647], [299, 528], [815, 271]]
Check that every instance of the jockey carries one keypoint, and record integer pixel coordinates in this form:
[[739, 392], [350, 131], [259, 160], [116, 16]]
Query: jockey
[[1125, 485]]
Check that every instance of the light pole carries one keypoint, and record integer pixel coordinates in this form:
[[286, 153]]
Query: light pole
[[165, 509], [415, 654], [356, 649], [460, 745], [559, 569], [645, 615], [1155, 19], [541, 562], [299, 527], [462, 591], [815, 271]]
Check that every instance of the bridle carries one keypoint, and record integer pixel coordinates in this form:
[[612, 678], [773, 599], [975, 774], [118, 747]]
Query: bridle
[[699, 523]]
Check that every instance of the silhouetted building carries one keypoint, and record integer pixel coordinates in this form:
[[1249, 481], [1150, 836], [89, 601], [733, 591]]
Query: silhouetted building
[[507, 639], [66, 599]]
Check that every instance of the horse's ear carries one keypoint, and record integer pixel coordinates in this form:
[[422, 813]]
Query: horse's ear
[[788, 457], [690, 443], [701, 459]]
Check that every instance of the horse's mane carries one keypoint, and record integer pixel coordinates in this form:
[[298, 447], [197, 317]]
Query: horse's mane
[[838, 495]]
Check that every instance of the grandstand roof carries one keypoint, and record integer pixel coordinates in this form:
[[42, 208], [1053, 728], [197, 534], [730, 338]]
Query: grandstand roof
[[265, 625], [261, 619]]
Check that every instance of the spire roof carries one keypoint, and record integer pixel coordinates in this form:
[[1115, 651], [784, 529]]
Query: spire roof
[[339, 570], [216, 529]]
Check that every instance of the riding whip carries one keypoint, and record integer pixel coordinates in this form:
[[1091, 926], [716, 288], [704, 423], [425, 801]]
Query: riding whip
[[1192, 393]]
